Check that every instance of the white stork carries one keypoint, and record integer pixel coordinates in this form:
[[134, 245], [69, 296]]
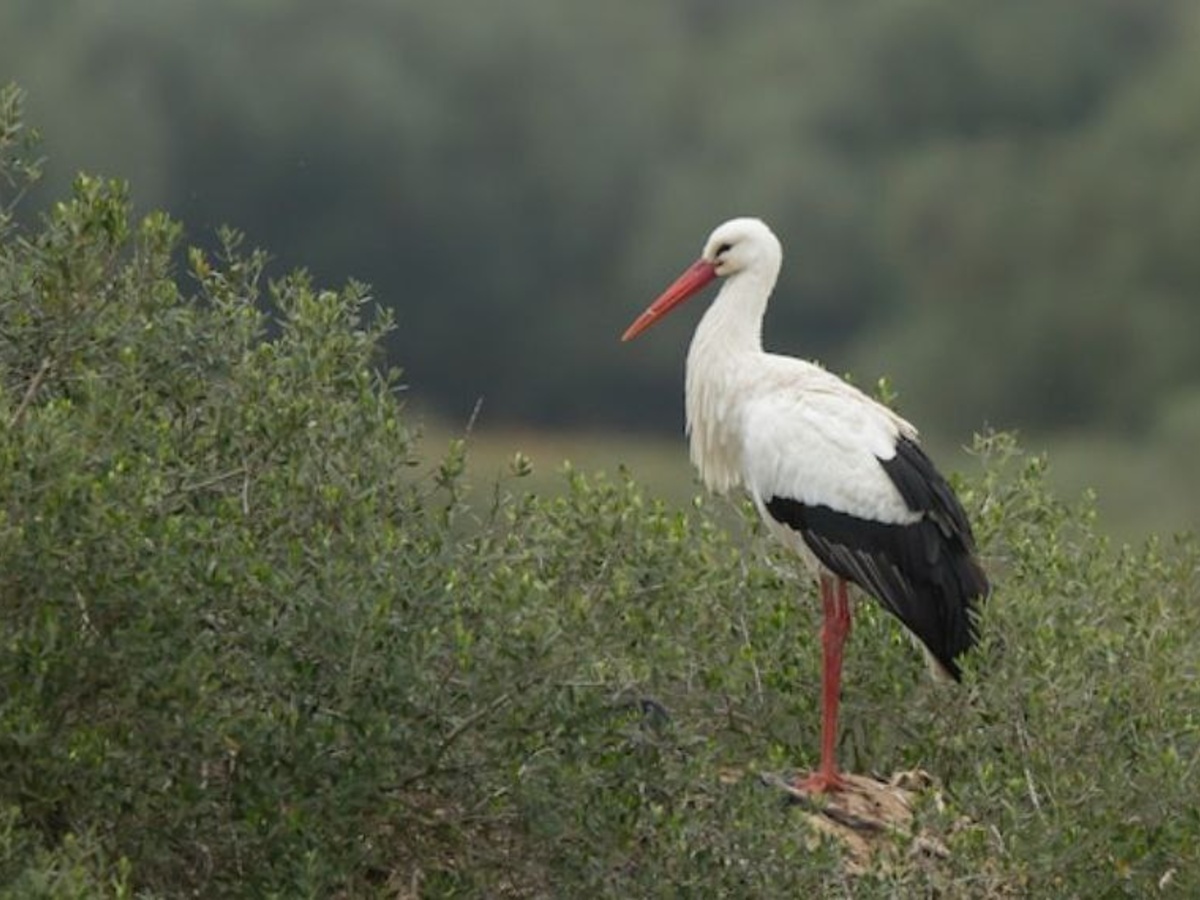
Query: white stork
[[838, 477]]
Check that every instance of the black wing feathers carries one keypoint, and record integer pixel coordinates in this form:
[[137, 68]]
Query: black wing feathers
[[925, 572], [926, 491]]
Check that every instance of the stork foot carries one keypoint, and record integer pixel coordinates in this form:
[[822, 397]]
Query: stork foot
[[820, 782]]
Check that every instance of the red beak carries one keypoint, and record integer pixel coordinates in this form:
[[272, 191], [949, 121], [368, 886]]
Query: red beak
[[696, 276]]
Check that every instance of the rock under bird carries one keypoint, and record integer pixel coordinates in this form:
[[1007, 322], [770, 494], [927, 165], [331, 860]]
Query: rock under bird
[[838, 477]]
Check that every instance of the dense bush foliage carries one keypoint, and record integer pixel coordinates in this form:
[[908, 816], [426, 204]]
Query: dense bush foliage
[[253, 646]]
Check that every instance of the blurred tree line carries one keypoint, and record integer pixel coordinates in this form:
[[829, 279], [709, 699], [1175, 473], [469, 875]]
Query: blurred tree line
[[996, 205]]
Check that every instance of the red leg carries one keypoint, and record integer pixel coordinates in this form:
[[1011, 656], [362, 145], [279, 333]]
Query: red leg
[[835, 604]]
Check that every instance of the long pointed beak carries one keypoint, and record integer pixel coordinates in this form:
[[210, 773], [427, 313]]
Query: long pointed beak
[[696, 276]]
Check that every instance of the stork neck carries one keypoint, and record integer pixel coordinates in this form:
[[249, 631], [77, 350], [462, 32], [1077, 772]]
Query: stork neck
[[733, 323], [730, 331]]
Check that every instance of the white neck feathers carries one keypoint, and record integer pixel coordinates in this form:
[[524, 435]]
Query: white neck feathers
[[730, 330]]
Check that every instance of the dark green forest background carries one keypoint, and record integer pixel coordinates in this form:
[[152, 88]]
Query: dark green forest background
[[996, 205]]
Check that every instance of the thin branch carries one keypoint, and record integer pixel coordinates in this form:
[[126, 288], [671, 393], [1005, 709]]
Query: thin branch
[[246, 491], [213, 481], [30, 392], [453, 735], [474, 417]]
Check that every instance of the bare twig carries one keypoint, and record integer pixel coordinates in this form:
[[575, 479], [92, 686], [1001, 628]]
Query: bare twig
[[453, 735], [469, 721], [473, 418], [246, 491], [750, 654], [213, 481], [30, 393]]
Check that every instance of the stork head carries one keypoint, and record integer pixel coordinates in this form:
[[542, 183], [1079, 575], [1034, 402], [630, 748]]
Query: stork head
[[741, 244], [737, 246]]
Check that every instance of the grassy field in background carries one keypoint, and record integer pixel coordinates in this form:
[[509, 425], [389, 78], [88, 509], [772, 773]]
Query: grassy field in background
[[1141, 489]]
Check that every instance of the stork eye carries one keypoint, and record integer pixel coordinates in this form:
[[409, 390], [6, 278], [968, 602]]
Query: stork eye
[[723, 249]]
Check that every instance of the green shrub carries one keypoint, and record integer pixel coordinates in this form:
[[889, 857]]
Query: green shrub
[[251, 647]]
